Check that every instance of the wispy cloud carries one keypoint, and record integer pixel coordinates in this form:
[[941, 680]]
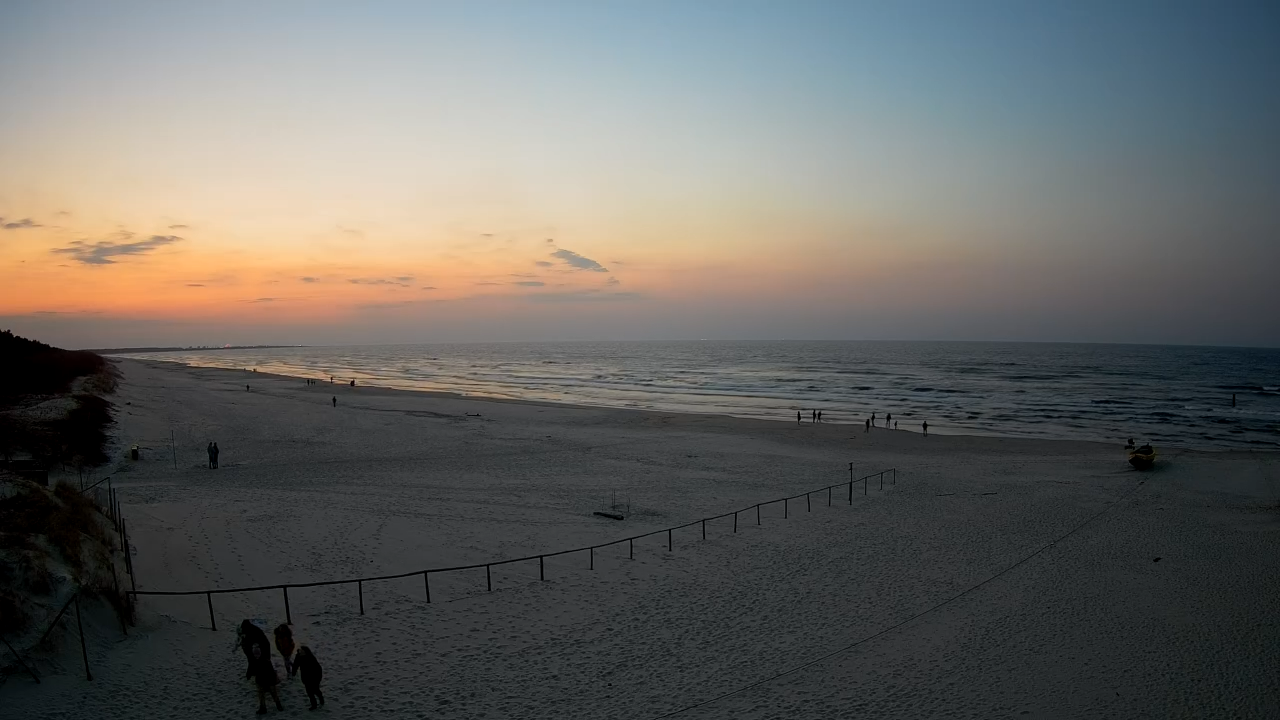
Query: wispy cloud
[[179, 227], [398, 281], [612, 281], [22, 224], [264, 300], [102, 252], [575, 260], [309, 279], [529, 283], [195, 285], [544, 263], [428, 287]]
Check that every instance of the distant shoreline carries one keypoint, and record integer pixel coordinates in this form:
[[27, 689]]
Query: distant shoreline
[[122, 351]]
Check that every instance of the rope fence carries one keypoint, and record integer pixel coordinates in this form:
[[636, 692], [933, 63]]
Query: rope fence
[[541, 557]]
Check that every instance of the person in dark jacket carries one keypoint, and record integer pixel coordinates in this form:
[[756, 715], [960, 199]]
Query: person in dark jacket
[[250, 634], [216, 452], [284, 644], [307, 665], [264, 674], [210, 455]]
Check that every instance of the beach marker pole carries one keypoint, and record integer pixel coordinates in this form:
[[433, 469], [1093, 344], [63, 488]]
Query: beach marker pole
[[895, 476], [757, 513], [828, 496], [83, 652], [704, 529], [213, 624], [592, 550], [668, 539], [735, 521], [426, 583], [864, 484], [288, 616], [173, 446], [882, 480], [488, 578], [360, 589], [631, 549], [542, 573], [808, 504]]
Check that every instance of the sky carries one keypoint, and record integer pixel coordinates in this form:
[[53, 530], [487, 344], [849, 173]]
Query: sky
[[185, 173]]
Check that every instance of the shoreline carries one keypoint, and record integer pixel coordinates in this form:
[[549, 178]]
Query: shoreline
[[747, 422]]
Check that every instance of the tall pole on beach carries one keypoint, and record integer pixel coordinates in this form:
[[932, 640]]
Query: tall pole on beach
[[174, 447]]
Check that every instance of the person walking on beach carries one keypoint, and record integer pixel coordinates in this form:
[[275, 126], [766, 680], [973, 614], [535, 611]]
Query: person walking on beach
[[284, 644], [335, 401], [888, 420], [813, 416], [797, 417], [353, 383], [867, 429], [819, 416], [210, 455], [215, 456], [249, 634], [264, 675], [311, 672], [925, 426], [873, 419], [895, 424]]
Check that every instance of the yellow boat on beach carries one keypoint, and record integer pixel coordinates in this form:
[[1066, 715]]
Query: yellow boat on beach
[[1143, 458]]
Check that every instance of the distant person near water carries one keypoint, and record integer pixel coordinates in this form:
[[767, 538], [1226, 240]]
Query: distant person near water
[[925, 426], [353, 383], [335, 401], [797, 417], [819, 416], [888, 420], [813, 416], [210, 449], [895, 424], [867, 429], [215, 456], [873, 419]]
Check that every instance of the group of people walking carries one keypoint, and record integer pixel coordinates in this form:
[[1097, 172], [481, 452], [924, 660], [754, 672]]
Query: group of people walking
[[815, 416], [213, 456], [252, 640]]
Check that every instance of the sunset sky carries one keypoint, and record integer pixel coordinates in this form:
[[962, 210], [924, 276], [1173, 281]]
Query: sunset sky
[[206, 173]]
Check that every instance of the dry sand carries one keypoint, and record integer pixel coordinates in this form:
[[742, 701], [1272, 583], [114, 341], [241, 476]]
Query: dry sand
[[392, 481]]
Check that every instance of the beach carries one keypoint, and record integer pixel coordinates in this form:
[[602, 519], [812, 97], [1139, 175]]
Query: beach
[[997, 577]]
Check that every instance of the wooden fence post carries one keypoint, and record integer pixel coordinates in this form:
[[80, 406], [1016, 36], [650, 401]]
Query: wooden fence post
[[83, 651], [757, 513], [864, 485], [631, 549], [542, 572], [895, 476], [669, 540], [360, 590], [882, 480], [808, 504], [850, 483], [426, 583], [488, 578], [704, 529], [213, 624], [786, 508], [288, 616], [592, 551], [828, 496], [735, 521]]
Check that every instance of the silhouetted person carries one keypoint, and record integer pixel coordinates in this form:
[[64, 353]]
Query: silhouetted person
[[888, 419], [335, 401], [210, 455], [895, 424], [873, 419], [353, 383], [246, 388], [867, 429], [925, 426], [819, 416], [813, 416], [797, 417], [250, 634], [215, 456], [284, 644], [307, 666]]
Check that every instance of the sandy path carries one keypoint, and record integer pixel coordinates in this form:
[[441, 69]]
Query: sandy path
[[393, 481]]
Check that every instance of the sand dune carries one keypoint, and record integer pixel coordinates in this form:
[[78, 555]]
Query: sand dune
[[392, 481]]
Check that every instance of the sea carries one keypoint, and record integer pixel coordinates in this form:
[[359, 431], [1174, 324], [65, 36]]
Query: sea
[[1179, 396]]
